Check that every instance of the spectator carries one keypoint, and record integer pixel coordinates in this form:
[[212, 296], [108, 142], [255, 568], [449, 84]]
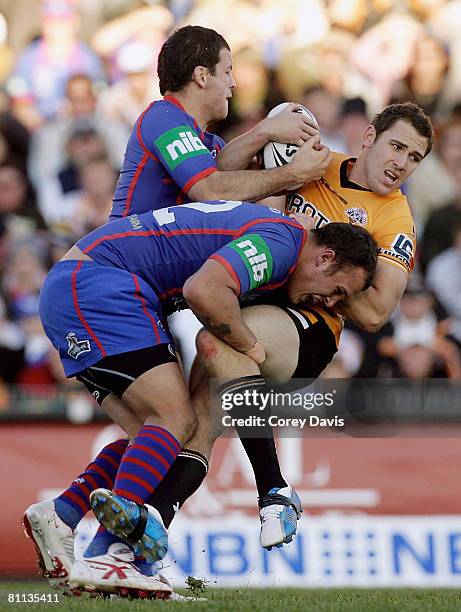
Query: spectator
[[418, 345], [38, 82], [79, 108], [444, 278], [14, 141], [125, 100], [425, 80], [83, 144], [326, 108], [90, 207], [18, 209], [434, 185], [353, 121], [438, 231]]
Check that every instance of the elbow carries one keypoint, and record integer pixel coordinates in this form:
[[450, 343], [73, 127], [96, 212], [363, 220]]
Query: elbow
[[374, 321], [193, 292], [204, 189], [373, 326]]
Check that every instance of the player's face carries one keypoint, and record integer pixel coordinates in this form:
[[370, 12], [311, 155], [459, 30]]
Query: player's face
[[220, 86], [324, 284], [392, 156]]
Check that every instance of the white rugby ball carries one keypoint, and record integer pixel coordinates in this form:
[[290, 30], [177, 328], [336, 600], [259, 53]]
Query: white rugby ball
[[277, 154]]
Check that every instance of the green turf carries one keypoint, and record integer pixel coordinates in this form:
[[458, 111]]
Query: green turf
[[288, 600]]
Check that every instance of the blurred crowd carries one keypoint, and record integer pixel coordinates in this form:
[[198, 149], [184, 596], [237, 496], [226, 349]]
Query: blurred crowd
[[75, 74]]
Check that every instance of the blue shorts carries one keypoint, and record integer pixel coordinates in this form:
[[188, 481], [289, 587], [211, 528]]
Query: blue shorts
[[90, 311]]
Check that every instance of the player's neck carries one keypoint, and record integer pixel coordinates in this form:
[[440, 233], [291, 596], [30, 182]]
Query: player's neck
[[192, 104], [356, 172]]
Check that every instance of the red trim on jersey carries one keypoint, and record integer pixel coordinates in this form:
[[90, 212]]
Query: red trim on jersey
[[132, 186], [229, 269], [197, 127], [176, 102], [146, 233], [167, 294], [139, 135], [79, 312], [291, 222], [180, 198], [198, 177], [144, 307]]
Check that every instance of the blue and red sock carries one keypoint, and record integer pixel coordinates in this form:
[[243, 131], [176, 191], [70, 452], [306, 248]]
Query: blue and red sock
[[74, 502], [145, 463]]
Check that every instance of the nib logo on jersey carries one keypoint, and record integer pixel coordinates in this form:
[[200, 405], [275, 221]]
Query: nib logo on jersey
[[179, 144], [257, 258]]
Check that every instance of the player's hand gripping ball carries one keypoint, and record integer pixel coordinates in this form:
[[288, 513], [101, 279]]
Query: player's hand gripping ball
[[277, 154]]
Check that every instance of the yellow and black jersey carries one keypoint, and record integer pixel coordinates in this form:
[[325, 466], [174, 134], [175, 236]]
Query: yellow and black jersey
[[387, 218]]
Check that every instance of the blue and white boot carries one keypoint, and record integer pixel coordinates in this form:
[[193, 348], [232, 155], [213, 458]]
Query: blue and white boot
[[139, 525], [279, 512]]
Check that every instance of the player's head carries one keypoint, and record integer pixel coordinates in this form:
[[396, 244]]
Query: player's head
[[338, 260], [394, 144]]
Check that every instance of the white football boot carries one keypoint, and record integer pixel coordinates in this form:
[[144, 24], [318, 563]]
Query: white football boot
[[54, 543], [115, 572], [279, 512]]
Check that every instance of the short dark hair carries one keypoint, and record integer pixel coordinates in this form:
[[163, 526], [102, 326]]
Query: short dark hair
[[185, 49], [409, 112], [353, 246]]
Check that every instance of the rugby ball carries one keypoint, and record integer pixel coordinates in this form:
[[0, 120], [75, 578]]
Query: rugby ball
[[277, 154]]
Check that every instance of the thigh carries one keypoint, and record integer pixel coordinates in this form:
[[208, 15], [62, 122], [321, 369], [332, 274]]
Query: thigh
[[160, 396], [275, 329]]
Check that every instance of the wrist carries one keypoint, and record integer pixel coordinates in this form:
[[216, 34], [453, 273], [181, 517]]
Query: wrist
[[256, 353], [262, 132]]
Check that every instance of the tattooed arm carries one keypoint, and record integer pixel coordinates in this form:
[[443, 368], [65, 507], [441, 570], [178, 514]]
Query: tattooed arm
[[212, 294]]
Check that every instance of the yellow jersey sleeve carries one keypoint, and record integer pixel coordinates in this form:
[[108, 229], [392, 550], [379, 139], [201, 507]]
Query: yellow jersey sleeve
[[394, 231]]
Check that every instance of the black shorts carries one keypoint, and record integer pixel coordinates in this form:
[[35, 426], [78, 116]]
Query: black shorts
[[114, 374], [317, 344]]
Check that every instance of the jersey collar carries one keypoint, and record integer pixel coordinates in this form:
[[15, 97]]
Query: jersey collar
[[174, 101], [345, 182]]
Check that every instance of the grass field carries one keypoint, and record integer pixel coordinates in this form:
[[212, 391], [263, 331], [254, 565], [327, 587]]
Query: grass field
[[289, 600]]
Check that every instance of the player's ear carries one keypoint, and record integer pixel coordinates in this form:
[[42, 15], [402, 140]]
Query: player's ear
[[369, 136], [326, 257], [200, 75]]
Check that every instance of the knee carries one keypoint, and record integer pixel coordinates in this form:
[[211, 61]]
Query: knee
[[189, 425], [207, 345]]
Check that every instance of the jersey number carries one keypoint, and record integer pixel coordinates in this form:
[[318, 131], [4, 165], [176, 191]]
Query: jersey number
[[165, 215]]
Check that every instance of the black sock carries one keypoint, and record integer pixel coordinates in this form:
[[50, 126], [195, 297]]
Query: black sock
[[182, 480], [261, 450]]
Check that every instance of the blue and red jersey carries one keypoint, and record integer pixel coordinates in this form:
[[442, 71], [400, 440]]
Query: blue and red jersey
[[167, 153], [258, 246]]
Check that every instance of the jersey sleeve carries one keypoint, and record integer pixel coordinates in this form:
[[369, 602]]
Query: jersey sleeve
[[394, 232], [174, 141], [261, 259]]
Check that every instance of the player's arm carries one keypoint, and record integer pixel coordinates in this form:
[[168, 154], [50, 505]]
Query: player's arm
[[309, 163], [288, 126], [212, 294], [373, 307]]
